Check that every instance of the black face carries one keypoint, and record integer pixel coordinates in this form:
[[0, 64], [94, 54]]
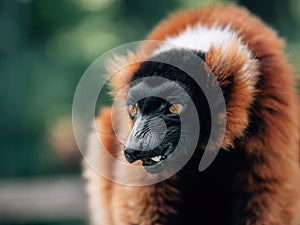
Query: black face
[[160, 111], [156, 124]]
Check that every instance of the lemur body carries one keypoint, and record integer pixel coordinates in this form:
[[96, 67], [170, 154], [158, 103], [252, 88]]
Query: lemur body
[[255, 178]]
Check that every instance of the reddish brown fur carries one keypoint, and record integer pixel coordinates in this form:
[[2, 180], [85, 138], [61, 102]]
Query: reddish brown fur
[[273, 152]]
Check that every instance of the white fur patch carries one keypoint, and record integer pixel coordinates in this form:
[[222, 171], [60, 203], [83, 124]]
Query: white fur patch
[[202, 38], [198, 38]]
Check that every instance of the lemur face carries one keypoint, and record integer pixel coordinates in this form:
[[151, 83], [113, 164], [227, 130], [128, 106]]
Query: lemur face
[[161, 102], [156, 124]]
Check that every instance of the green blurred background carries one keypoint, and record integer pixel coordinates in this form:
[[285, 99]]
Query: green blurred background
[[46, 45]]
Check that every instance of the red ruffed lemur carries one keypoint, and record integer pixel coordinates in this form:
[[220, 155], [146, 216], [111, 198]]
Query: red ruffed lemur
[[255, 177]]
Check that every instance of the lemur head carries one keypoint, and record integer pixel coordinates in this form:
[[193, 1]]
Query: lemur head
[[160, 97], [157, 109]]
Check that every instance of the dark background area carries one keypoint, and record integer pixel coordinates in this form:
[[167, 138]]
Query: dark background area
[[45, 47]]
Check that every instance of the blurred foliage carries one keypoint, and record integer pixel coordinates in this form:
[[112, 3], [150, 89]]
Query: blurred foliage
[[45, 47]]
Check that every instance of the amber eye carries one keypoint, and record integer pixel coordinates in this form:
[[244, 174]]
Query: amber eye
[[132, 110], [176, 108]]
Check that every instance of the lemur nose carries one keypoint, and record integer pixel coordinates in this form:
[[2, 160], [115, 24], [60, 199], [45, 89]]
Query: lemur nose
[[133, 148], [132, 155]]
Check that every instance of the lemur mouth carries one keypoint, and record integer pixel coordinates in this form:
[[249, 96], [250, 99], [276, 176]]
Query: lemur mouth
[[157, 163], [153, 161]]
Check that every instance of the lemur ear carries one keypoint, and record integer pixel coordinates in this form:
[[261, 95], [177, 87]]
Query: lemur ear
[[236, 71], [227, 82], [120, 70]]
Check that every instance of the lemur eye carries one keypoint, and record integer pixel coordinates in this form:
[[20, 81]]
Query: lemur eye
[[132, 110], [176, 108]]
